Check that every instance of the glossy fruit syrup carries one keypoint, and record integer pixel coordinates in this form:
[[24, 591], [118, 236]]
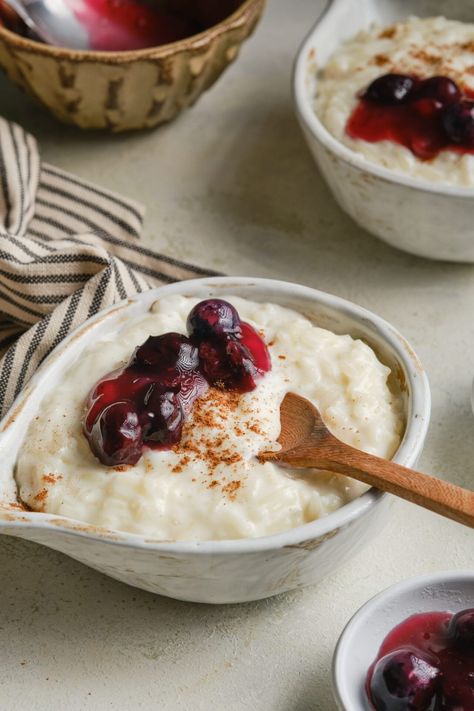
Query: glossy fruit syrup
[[426, 664], [426, 116], [118, 25], [147, 402]]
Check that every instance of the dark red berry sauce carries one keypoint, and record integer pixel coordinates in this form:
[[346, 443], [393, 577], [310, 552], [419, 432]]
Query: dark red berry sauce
[[115, 25], [425, 664], [147, 402], [426, 116], [122, 25]]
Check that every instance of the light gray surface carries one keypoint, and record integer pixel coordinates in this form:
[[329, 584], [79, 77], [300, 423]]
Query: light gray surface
[[231, 185]]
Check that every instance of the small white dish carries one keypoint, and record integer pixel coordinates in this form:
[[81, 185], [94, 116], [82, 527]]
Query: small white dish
[[219, 571], [424, 218], [361, 639]]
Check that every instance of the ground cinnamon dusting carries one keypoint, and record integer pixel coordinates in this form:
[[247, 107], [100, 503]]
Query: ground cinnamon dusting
[[41, 495], [183, 462], [41, 498], [231, 489], [51, 478], [18, 506], [206, 438], [388, 32], [381, 59], [428, 55]]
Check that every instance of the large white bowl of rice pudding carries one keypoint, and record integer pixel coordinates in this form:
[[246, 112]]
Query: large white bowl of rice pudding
[[384, 91], [189, 511]]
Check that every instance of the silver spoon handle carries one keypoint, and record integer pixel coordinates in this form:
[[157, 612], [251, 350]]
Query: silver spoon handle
[[53, 21], [20, 10]]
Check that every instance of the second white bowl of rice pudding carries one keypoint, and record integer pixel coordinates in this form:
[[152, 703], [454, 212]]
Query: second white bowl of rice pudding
[[412, 184], [202, 519]]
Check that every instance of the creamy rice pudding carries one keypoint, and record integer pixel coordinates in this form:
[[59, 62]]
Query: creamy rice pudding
[[208, 483], [427, 139]]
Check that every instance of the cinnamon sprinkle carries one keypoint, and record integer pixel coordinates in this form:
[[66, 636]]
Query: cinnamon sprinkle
[[231, 489], [388, 32], [51, 478], [41, 495], [41, 498], [206, 439], [381, 59], [18, 505]]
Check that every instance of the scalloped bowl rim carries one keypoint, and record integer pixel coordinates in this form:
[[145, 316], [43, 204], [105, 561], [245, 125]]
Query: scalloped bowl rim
[[232, 21], [410, 447], [320, 133]]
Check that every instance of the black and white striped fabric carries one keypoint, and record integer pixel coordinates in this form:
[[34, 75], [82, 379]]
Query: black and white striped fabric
[[67, 250]]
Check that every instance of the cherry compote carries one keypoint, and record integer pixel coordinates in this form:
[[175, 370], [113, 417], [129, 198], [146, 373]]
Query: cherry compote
[[426, 664], [147, 402], [424, 115], [118, 25]]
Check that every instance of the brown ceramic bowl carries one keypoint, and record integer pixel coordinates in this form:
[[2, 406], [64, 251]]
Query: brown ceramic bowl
[[119, 91]]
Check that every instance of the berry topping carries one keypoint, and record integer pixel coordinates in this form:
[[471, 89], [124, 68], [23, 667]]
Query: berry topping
[[427, 108], [426, 663], [461, 629], [390, 89], [458, 122], [256, 346], [404, 681], [441, 89], [116, 437], [148, 401], [424, 115], [172, 351], [163, 416], [457, 688], [227, 363], [213, 317]]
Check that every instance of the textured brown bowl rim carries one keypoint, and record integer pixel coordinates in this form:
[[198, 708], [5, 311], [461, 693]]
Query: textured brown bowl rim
[[237, 19]]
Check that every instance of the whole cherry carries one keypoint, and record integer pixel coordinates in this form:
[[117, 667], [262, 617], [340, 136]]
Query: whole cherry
[[461, 631], [163, 416], [172, 351], [404, 681], [439, 88], [227, 363], [458, 122], [116, 437], [390, 89], [213, 317]]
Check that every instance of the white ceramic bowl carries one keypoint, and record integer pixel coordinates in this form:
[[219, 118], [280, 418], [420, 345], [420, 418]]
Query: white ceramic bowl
[[361, 639], [219, 571], [417, 216]]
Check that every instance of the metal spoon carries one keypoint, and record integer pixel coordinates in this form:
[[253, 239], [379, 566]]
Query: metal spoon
[[52, 21], [306, 442]]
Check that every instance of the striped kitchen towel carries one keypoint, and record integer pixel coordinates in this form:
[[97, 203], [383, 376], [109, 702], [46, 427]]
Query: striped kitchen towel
[[67, 249]]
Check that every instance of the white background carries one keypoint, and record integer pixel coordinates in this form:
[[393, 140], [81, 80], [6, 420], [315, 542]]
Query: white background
[[231, 185]]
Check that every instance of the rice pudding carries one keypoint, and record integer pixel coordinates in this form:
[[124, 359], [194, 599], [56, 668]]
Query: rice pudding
[[209, 485], [423, 49]]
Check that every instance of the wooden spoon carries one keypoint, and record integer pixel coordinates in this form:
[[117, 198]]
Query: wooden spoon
[[307, 443]]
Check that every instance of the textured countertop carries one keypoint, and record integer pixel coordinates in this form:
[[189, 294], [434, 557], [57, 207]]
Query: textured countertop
[[231, 185]]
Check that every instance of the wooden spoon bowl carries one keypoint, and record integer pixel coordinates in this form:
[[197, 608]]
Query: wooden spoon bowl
[[306, 442]]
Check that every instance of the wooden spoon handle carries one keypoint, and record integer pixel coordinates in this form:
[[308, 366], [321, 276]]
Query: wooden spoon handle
[[434, 494]]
